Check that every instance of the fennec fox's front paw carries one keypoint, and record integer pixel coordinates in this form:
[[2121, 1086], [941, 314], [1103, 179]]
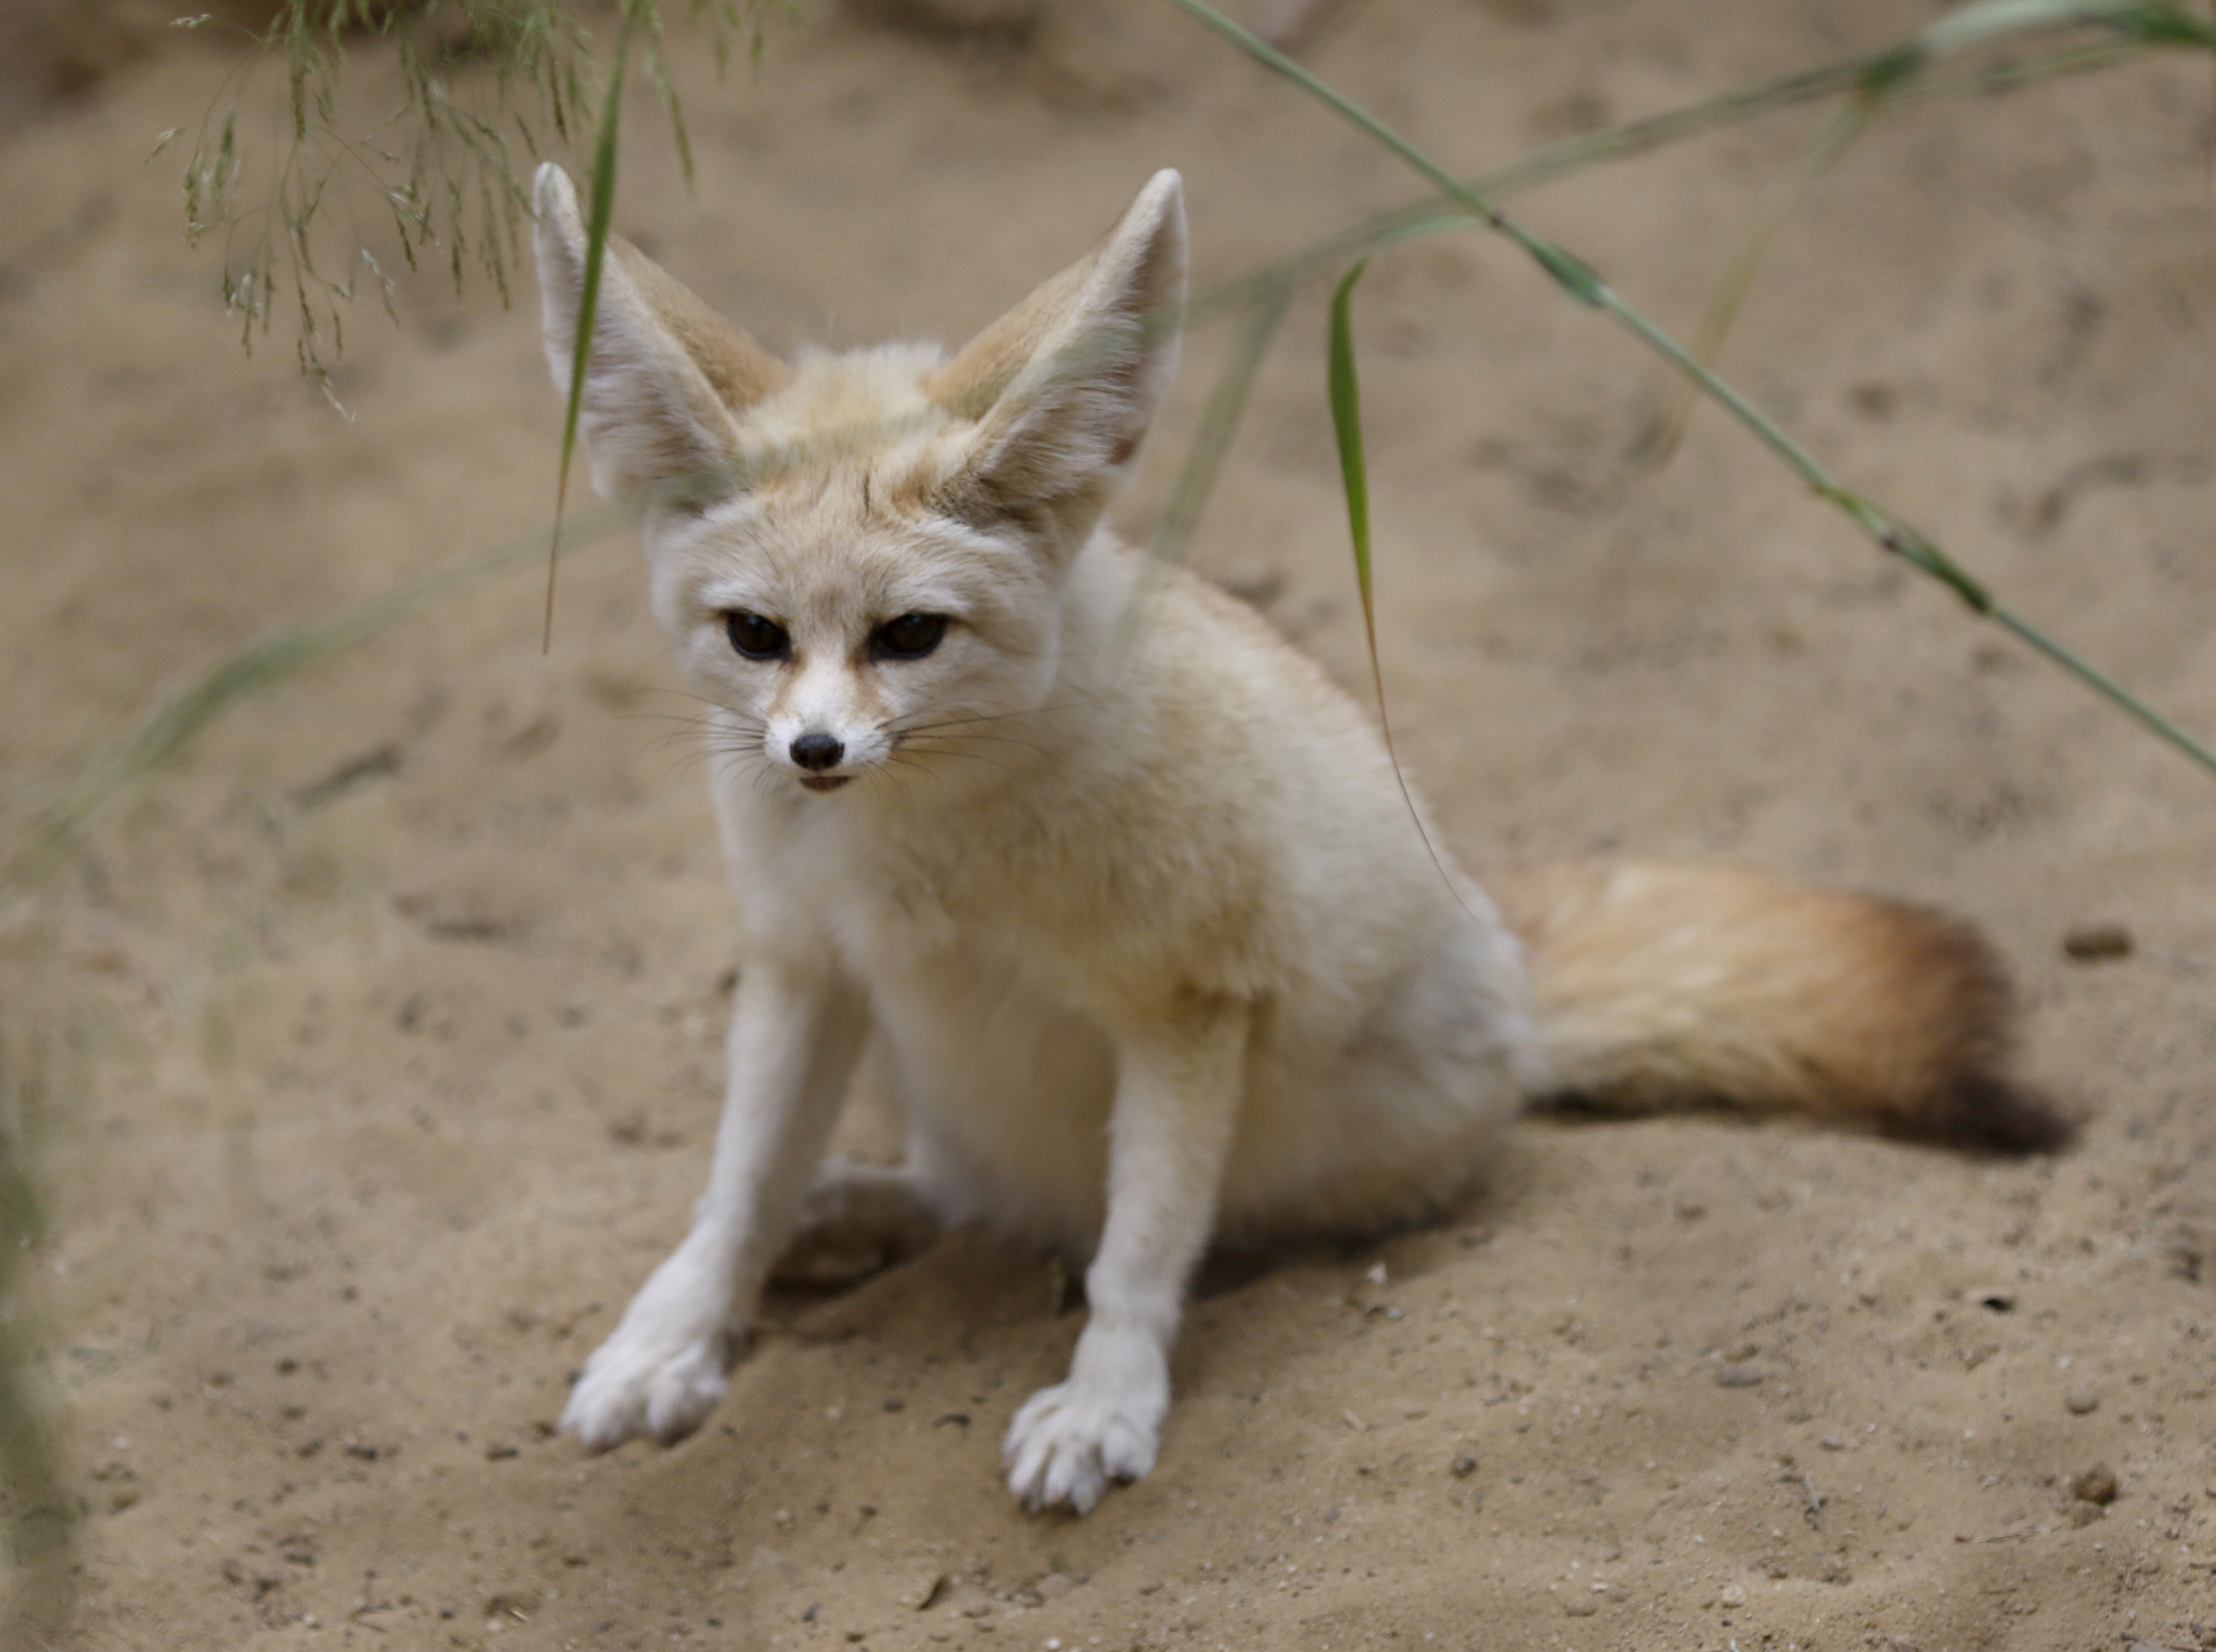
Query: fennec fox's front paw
[[1103, 1424], [662, 1371]]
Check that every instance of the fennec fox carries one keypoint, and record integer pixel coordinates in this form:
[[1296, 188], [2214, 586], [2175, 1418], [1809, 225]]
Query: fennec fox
[[1124, 889]]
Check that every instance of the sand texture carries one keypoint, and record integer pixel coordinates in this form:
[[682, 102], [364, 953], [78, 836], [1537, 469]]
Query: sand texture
[[371, 1051]]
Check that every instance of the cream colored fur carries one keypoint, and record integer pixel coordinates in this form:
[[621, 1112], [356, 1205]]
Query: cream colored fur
[[1123, 888]]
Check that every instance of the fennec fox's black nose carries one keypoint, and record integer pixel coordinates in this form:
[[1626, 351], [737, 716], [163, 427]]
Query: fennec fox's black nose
[[818, 752]]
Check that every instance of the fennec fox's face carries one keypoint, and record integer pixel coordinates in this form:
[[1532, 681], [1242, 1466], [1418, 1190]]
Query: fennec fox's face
[[859, 557]]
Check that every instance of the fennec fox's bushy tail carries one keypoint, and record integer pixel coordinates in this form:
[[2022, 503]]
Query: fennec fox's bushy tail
[[1660, 986]]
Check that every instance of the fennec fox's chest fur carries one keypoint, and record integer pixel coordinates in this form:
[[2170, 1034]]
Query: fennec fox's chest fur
[[1123, 891]]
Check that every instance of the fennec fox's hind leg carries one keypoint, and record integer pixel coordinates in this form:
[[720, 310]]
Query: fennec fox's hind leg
[[855, 1220], [796, 1032]]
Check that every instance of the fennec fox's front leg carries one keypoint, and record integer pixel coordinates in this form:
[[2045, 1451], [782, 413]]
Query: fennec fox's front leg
[[1177, 1097], [796, 1032]]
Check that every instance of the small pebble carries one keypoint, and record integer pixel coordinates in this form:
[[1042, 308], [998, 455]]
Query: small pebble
[[1462, 1467], [2092, 943], [2082, 1402], [2084, 1513], [1733, 1595], [2096, 1485], [1738, 1376]]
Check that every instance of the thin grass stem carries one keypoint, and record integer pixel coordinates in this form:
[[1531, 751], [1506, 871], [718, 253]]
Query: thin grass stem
[[600, 215], [1265, 310], [1583, 284], [1836, 138], [275, 658]]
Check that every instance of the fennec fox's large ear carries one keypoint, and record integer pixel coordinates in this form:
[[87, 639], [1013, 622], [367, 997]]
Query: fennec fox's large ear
[[666, 374], [1063, 386]]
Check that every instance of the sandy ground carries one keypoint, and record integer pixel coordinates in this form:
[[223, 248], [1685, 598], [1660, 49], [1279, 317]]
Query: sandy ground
[[371, 1053]]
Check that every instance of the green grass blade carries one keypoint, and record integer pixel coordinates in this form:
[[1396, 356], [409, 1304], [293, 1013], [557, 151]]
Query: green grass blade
[[1346, 391], [2160, 20], [602, 210], [1345, 388]]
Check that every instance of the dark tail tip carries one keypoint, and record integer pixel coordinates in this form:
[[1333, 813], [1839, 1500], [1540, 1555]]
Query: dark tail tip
[[1988, 1115]]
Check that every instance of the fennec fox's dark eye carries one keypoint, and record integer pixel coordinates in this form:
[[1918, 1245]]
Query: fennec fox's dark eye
[[909, 637], [756, 638]]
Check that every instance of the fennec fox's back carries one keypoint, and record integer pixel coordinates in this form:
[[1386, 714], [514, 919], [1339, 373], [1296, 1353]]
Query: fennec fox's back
[[1123, 891]]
